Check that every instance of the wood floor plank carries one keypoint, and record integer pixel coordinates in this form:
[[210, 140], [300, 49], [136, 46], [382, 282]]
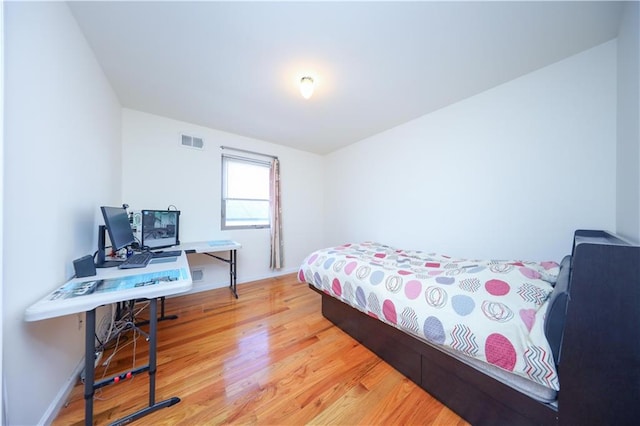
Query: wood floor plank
[[267, 358]]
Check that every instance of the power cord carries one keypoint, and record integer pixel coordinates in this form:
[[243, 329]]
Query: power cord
[[115, 330]]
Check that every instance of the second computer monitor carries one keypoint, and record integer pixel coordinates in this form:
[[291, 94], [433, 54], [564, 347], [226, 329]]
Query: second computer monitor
[[117, 222], [160, 228]]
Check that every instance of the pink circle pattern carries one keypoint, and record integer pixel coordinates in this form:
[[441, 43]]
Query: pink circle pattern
[[412, 289]]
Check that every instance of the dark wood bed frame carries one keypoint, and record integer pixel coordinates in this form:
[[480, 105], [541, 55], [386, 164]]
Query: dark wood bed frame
[[600, 364]]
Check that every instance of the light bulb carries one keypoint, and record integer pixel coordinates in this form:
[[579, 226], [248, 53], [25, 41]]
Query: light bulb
[[306, 87]]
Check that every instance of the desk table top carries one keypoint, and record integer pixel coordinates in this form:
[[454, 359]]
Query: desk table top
[[161, 277], [211, 246]]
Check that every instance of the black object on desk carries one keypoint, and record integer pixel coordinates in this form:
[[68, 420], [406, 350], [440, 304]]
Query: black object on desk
[[171, 253], [138, 260], [84, 266]]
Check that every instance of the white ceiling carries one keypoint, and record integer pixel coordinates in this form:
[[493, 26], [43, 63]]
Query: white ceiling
[[234, 66]]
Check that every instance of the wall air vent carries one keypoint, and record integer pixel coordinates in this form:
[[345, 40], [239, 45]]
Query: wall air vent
[[197, 275], [191, 141]]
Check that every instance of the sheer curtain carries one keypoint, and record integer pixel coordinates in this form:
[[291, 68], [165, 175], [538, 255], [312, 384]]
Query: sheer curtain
[[276, 216]]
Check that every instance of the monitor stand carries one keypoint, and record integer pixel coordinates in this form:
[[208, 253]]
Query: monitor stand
[[101, 261]]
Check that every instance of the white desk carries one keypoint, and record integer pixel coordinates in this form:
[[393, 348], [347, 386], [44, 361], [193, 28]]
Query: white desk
[[209, 248], [217, 246], [162, 277]]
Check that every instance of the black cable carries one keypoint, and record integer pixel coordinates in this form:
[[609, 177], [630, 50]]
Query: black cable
[[100, 342], [95, 253]]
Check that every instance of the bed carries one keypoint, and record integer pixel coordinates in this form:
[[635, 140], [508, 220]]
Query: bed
[[497, 341]]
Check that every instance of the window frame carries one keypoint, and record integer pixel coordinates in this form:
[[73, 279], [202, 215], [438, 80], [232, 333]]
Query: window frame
[[223, 198]]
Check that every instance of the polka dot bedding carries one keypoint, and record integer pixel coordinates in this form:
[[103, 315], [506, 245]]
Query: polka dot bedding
[[491, 310]]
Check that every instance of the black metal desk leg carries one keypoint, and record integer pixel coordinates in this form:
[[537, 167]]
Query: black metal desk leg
[[153, 341], [153, 344], [162, 317], [233, 267], [233, 260], [89, 364]]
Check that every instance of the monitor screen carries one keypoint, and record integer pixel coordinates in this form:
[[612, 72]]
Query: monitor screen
[[160, 228], [118, 226]]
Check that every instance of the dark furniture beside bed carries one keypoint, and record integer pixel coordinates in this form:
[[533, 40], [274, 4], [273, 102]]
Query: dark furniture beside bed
[[598, 349]]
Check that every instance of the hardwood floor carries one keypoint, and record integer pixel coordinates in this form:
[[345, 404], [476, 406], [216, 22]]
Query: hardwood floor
[[267, 358]]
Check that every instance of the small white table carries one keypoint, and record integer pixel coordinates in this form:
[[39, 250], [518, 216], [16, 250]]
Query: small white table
[[217, 246], [161, 277]]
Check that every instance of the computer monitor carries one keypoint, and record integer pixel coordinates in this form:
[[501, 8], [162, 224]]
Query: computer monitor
[[116, 223], [160, 228]]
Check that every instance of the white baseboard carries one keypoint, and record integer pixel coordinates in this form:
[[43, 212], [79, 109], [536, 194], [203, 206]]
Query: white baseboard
[[61, 398]]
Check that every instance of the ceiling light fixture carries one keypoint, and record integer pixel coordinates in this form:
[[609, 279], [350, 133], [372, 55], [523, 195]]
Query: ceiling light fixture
[[306, 87]]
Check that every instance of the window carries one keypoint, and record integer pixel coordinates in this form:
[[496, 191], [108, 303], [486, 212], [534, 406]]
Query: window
[[245, 193]]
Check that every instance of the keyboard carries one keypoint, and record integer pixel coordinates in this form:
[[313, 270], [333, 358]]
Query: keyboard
[[138, 260]]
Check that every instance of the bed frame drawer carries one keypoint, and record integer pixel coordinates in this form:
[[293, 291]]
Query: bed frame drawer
[[481, 399]]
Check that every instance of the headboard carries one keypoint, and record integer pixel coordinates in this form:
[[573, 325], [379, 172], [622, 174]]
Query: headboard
[[557, 309], [600, 348]]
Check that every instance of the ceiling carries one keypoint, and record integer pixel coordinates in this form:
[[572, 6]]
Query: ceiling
[[235, 66]]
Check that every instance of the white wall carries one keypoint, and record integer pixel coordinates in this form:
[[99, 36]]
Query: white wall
[[511, 172], [628, 177], [2, 400], [61, 161], [190, 180]]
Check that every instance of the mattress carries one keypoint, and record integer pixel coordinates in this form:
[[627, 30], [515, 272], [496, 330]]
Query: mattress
[[488, 311]]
